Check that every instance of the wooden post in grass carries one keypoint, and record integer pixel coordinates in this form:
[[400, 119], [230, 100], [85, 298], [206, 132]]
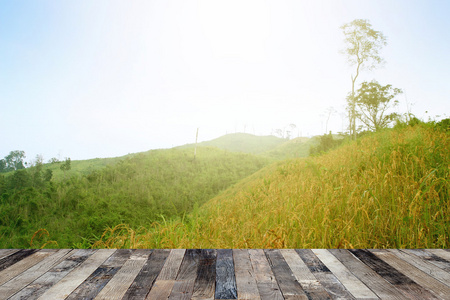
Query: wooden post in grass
[[195, 149]]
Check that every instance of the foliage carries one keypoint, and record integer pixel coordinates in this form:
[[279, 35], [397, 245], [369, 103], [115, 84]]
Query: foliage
[[374, 101], [138, 190], [326, 143], [388, 190], [13, 161]]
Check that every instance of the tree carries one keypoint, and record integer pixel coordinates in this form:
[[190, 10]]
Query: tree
[[65, 166], [362, 50], [374, 101], [13, 161]]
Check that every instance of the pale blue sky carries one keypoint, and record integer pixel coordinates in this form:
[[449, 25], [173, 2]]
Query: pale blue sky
[[86, 79]]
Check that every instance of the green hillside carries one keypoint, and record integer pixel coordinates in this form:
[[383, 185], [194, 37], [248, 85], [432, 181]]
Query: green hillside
[[137, 190], [388, 190], [243, 142]]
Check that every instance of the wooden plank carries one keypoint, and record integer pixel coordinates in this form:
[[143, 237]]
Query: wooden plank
[[23, 265], [312, 287], [399, 280], [425, 266], [245, 277], [331, 284], [70, 282], [369, 277], [166, 279], [358, 289], [265, 279], [430, 257], [441, 253], [225, 278], [146, 277], [289, 286], [101, 276], [206, 275], [7, 252], [431, 284], [119, 284], [47, 280], [20, 281], [183, 287], [8, 261]]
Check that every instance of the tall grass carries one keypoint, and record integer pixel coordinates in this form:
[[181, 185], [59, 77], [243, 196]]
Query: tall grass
[[388, 190]]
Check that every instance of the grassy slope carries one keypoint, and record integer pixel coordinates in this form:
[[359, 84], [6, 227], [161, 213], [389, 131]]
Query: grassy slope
[[390, 189], [138, 190]]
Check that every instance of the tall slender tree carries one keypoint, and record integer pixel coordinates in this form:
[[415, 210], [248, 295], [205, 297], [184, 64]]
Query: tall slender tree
[[363, 45]]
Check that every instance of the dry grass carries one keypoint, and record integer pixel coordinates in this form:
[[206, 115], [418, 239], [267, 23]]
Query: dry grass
[[389, 190]]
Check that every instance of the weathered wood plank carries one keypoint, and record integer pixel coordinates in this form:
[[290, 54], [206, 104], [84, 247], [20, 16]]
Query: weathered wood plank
[[21, 281], [426, 255], [183, 287], [225, 279], [441, 253], [70, 282], [331, 284], [101, 276], [287, 282], [358, 289], [166, 279], [7, 252], [369, 277], [206, 275], [116, 288], [309, 283], [425, 266], [245, 276], [15, 257], [431, 284], [265, 279], [402, 282], [147, 276], [47, 280], [23, 265]]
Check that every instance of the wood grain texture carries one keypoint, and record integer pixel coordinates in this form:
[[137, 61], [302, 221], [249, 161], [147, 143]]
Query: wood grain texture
[[23, 280], [358, 289], [206, 275], [245, 276], [47, 280], [265, 279], [101, 276], [70, 282], [183, 287], [428, 256], [7, 252], [145, 279], [15, 257], [399, 280], [287, 282], [312, 287], [375, 282], [23, 265], [225, 279], [116, 288], [331, 284]]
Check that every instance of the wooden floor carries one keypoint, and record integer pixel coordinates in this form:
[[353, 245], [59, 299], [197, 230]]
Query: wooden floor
[[224, 274]]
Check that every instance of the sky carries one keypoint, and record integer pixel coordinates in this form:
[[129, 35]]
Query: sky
[[92, 79]]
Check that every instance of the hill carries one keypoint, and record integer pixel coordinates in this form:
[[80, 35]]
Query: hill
[[242, 142], [388, 190], [137, 190]]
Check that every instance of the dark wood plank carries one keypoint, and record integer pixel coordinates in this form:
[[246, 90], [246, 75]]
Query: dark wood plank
[[206, 275], [309, 283], [21, 281], [101, 276], [47, 280], [289, 286], [331, 284], [375, 282], [402, 282], [7, 252], [9, 260], [425, 280], [147, 276], [225, 279], [183, 287]]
